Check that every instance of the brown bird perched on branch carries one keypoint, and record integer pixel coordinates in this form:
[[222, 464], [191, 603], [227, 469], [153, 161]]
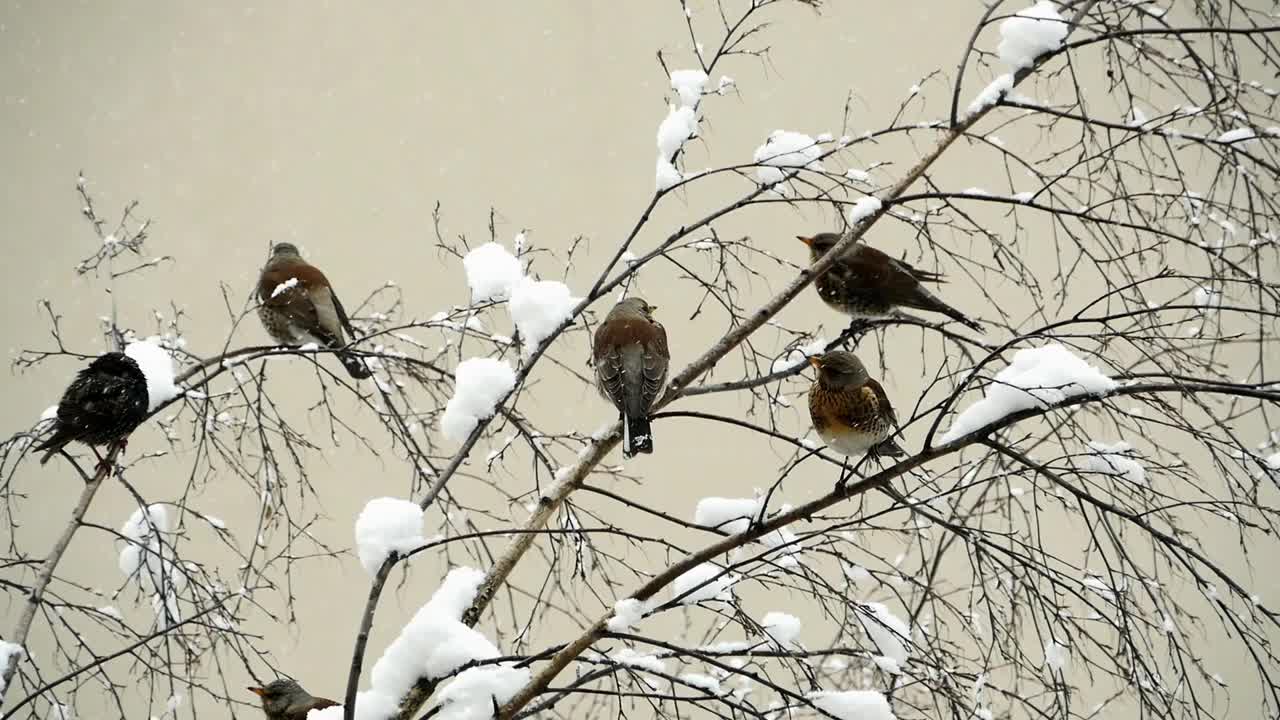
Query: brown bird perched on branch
[[106, 401], [631, 359], [299, 307], [286, 700], [867, 283], [850, 410]]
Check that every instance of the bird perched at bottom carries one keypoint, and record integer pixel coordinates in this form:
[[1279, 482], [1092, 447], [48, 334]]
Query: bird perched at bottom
[[850, 410], [300, 307], [106, 401], [286, 700], [631, 358], [867, 283]]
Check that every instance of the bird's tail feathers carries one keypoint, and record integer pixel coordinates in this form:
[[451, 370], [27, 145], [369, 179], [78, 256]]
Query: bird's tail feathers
[[51, 446], [963, 319], [928, 276], [932, 302], [355, 366], [888, 448], [637, 437], [635, 406]]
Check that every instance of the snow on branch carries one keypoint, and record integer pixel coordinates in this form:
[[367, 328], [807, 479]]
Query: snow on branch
[[480, 383], [433, 645], [784, 151], [1031, 33], [387, 525], [1037, 378], [1128, 243]]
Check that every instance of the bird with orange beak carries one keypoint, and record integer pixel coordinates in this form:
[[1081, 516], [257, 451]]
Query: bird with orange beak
[[867, 283], [849, 409]]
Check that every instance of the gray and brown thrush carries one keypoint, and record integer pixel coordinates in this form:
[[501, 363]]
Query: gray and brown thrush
[[286, 700], [849, 409], [298, 306], [631, 359], [867, 283]]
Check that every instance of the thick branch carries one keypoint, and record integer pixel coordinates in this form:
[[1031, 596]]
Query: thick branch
[[841, 493], [550, 503], [50, 564]]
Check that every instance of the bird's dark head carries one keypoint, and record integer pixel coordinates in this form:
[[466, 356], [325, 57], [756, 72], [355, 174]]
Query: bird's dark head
[[116, 364], [637, 305], [840, 369], [284, 250], [819, 244], [278, 695]]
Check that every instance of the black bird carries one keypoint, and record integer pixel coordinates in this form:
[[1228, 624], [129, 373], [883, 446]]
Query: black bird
[[105, 403]]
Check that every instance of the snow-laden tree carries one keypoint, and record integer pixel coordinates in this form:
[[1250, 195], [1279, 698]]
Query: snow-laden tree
[[1073, 526]]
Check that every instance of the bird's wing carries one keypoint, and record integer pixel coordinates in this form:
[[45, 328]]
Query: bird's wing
[[78, 394], [893, 280], [609, 375], [657, 358], [882, 401], [928, 276], [866, 268], [328, 316], [917, 273], [343, 318], [608, 362]]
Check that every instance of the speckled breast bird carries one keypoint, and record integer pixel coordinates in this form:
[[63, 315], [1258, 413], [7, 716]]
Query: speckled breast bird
[[286, 700], [850, 410], [631, 358], [867, 283], [106, 401], [300, 307]]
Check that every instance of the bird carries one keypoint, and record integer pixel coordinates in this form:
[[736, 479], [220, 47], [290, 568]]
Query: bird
[[285, 699], [298, 306], [103, 404], [867, 283], [631, 359], [849, 409]]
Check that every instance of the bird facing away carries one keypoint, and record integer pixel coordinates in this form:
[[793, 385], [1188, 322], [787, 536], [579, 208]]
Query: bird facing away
[[866, 283], [106, 401], [851, 411], [631, 358], [298, 307], [286, 700]]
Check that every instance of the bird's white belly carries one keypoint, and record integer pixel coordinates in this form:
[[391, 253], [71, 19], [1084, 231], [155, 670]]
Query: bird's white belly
[[849, 443]]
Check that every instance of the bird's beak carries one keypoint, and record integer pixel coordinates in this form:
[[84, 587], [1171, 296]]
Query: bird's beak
[[652, 308], [805, 240], [256, 691], [815, 361]]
